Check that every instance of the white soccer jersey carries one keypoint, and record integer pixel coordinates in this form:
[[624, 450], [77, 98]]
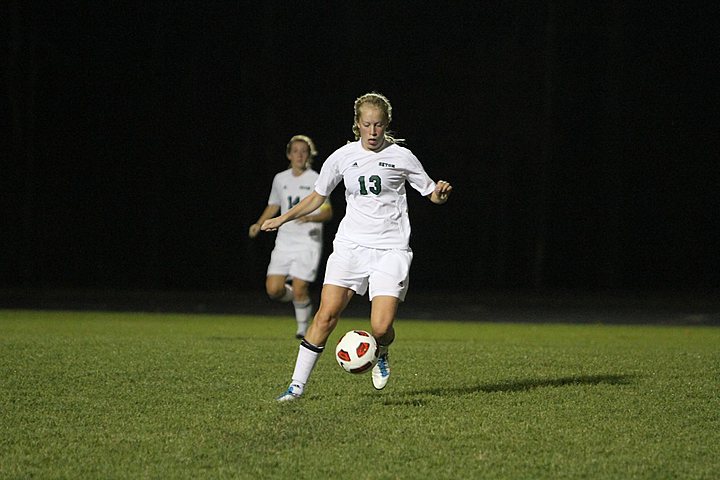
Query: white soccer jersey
[[377, 212], [287, 190]]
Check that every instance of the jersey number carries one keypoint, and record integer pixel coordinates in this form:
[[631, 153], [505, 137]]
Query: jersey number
[[374, 188], [292, 201]]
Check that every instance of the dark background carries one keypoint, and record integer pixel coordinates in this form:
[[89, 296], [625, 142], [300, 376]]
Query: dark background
[[141, 138]]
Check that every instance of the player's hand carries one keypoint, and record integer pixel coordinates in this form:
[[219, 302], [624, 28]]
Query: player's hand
[[254, 230], [271, 225], [442, 190]]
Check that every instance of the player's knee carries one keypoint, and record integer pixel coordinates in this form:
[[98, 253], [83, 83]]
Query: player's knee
[[325, 321], [275, 291]]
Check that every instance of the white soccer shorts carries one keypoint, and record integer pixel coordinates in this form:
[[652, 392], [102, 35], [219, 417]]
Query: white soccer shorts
[[386, 272], [302, 264]]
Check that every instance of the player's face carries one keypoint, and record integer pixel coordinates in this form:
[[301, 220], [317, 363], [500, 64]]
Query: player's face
[[299, 155], [371, 123]]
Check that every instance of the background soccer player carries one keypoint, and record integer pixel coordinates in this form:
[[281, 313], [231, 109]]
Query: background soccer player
[[298, 245]]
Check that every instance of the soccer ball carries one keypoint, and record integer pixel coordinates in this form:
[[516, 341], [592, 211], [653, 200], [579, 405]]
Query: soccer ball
[[356, 351]]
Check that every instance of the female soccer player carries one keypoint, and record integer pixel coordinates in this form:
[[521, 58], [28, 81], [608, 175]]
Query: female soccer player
[[371, 247], [298, 245]]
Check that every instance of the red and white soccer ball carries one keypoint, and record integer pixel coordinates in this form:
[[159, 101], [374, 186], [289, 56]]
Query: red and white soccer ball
[[357, 351]]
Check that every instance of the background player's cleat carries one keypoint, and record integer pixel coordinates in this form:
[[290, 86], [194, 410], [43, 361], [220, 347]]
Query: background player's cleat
[[292, 393], [381, 372]]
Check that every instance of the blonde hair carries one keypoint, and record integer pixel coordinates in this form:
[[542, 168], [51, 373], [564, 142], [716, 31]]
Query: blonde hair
[[308, 141], [380, 102]]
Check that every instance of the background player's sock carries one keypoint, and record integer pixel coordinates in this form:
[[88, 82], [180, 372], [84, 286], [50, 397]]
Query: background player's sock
[[303, 311]]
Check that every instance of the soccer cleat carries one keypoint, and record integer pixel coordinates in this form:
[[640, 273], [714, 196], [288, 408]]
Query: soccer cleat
[[381, 372], [301, 329], [292, 393]]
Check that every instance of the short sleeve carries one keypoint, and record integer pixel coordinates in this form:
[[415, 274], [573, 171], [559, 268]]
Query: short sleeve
[[275, 192], [329, 176], [417, 177]]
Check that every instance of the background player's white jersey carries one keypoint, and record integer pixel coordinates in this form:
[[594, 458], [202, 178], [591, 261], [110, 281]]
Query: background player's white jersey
[[287, 190], [377, 212]]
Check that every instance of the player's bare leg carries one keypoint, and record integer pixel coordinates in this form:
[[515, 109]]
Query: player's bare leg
[[277, 289], [382, 316], [333, 301]]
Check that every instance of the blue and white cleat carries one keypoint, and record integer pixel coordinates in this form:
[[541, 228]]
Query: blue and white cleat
[[292, 393], [381, 372]]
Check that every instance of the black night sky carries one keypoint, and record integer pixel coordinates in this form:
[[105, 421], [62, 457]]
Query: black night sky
[[141, 138]]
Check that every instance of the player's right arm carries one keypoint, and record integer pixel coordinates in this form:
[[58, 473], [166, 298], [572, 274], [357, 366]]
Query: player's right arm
[[269, 212], [306, 205]]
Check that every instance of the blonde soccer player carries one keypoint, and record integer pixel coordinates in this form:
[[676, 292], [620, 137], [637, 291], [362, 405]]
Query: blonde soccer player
[[371, 251]]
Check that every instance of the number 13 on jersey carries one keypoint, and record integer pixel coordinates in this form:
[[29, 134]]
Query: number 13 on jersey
[[374, 182]]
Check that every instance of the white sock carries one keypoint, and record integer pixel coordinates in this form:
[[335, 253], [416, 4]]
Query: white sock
[[308, 355], [288, 295], [302, 315]]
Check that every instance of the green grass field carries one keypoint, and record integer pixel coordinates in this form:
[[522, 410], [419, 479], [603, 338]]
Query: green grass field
[[132, 395]]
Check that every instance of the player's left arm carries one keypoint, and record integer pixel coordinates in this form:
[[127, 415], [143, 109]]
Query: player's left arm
[[441, 193], [421, 181]]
